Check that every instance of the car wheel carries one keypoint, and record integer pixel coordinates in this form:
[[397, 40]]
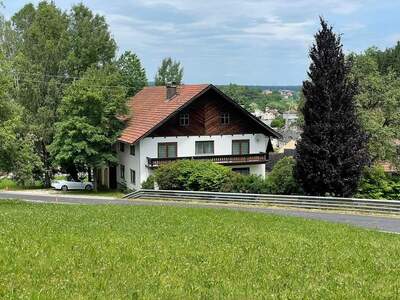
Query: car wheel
[[64, 188], [88, 188]]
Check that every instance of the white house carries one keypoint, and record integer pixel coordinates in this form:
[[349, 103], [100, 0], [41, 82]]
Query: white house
[[187, 122], [290, 117]]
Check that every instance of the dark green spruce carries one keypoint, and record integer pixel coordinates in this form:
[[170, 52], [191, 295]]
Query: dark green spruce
[[333, 148]]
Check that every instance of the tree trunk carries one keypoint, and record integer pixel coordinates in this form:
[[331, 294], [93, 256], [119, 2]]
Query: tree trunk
[[89, 174]]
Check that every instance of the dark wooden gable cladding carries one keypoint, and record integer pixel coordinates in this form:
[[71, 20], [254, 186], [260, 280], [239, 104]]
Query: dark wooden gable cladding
[[205, 119]]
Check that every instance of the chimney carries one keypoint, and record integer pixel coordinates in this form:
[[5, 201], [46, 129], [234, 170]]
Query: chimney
[[171, 90]]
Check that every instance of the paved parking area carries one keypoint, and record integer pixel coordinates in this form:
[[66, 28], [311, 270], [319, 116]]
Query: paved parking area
[[381, 223]]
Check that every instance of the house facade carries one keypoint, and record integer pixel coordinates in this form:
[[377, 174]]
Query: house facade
[[196, 122]]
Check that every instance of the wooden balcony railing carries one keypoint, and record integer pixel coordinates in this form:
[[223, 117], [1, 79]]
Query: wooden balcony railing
[[237, 159]]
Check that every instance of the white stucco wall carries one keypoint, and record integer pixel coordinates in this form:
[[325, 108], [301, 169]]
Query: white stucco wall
[[148, 147], [186, 147], [130, 162]]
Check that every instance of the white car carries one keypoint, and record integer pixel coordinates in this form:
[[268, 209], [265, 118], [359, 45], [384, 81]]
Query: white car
[[66, 185]]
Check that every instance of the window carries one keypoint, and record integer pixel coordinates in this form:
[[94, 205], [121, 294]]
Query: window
[[121, 147], [122, 171], [184, 120], [240, 147], [166, 150], [204, 147], [242, 171], [133, 177], [132, 150], [225, 118]]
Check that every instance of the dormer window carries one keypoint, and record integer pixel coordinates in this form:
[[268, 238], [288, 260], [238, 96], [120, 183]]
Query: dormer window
[[184, 120], [225, 118]]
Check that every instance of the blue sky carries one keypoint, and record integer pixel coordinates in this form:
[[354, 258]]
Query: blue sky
[[255, 42]]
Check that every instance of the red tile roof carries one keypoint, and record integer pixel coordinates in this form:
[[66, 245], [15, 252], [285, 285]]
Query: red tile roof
[[149, 108]]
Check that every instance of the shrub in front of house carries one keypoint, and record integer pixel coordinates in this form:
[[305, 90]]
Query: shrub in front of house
[[148, 184], [251, 184], [191, 175], [280, 180]]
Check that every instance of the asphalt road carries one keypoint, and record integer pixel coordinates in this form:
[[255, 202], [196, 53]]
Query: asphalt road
[[381, 223]]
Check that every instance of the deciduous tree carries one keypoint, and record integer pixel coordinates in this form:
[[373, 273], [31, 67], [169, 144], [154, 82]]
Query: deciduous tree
[[378, 103], [91, 43], [170, 71], [17, 154], [89, 123], [133, 75]]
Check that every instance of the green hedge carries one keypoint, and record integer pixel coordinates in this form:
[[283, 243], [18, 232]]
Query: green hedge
[[280, 180], [246, 184], [148, 184], [188, 175]]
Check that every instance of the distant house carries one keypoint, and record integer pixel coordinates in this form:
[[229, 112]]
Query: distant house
[[290, 118], [286, 94], [267, 92], [196, 122], [266, 116]]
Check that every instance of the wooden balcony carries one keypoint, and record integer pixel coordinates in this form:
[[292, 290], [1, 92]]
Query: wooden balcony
[[240, 159]]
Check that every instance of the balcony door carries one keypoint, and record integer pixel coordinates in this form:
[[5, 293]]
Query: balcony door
[[167, 150]]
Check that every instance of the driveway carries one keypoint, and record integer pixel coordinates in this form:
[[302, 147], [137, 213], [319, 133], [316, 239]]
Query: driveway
[[381, 223]]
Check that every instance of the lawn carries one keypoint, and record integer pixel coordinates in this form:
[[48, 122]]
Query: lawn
[[118, 252]]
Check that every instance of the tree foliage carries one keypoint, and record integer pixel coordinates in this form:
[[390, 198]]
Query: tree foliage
[[376, 184], [133, 75], [278, 122], [281, 180], [378, 102], [253, 98], [39, 67], [170, 71], [388, 60], [17, 154], [89, 123], [332, 151], [48, 49], [90, 40]]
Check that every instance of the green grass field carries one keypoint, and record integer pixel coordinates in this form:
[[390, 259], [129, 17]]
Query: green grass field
[[115, 252]]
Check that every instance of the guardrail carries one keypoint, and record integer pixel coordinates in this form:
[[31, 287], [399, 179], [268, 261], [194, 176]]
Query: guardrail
[[305, 202]]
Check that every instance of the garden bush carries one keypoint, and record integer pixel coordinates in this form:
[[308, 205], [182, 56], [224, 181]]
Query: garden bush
[[376, 184], [280, 180], [246, 184], [148, 184], [190, 175], [7, 183]]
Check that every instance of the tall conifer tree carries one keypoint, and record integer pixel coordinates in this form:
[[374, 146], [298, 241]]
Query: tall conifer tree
[[333, 147]]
